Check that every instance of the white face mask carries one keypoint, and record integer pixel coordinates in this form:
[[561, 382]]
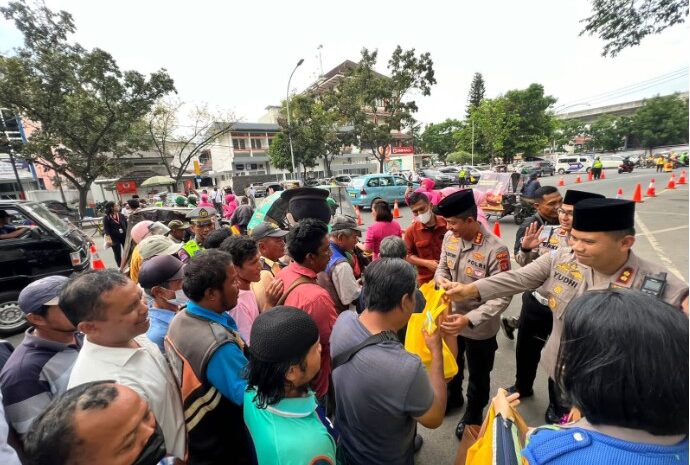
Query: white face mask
[[425, 217], [180, 299]]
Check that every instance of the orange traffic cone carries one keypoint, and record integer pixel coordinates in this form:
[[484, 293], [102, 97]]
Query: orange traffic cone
[[396, 210], [497, 229], [671, 182], [682, 180], [619, 194], [96, 261], [590, 175], [359, 216], [603, 175], [578, 179], [651, 189], [561, 182], [637, 197]]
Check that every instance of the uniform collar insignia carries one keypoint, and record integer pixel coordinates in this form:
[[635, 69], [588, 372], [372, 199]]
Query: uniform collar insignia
[[625, 278]]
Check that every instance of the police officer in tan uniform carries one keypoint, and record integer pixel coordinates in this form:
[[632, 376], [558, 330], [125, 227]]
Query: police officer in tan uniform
[[470, 252], [534, 330], [600, 256]]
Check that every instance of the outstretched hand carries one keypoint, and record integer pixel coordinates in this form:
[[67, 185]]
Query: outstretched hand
[[531, 239]]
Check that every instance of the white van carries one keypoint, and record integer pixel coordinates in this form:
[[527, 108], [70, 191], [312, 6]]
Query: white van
[[574, 164]]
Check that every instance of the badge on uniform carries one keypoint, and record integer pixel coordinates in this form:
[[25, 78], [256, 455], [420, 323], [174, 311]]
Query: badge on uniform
[[479, 238], [503, 258]]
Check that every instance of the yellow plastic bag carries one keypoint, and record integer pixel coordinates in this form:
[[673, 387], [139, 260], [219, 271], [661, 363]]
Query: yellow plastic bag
[[414, 340], [513, 441]]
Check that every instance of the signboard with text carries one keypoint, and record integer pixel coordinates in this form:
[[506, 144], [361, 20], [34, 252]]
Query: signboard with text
[[403, 149]]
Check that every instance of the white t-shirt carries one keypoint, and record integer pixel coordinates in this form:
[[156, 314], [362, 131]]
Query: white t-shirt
[[146, 371]]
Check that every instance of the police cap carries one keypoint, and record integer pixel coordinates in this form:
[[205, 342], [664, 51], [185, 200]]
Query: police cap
[[455, 204], [201, 215], [600, 215]]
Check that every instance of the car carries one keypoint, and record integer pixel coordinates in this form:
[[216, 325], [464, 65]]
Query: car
[[545, 168], [474, 173], [573, 164], [344, 178], [365, 190], [50, 247], [61, 210], [259, 189], [441, 179], [611, 161]]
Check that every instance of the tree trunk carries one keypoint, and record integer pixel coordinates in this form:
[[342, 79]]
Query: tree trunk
[[327, 165], [83, 192]]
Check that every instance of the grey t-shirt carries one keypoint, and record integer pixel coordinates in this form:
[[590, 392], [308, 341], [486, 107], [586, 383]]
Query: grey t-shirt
[[378, 392]]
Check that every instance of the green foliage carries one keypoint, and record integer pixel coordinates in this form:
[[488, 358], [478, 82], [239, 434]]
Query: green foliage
[[534, 124], [624, 23], [88, 112], [606, 134], [662, 121], [476, 94], [438, 138], [460, 158], [565, 131], [376, 105]]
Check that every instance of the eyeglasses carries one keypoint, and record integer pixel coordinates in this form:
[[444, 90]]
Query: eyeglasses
[[564, 213]]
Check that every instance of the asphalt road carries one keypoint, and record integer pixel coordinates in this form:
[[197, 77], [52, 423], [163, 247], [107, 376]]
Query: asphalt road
[[662, 230]]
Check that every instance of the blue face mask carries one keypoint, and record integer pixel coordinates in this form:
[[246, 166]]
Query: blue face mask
[[180, 299]]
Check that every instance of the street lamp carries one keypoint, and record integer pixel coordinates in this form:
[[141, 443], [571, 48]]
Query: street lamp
[[287, 101]]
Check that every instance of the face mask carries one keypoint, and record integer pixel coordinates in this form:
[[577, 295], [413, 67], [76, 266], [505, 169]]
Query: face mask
[[424, 217], [154, 450], [180, 299]]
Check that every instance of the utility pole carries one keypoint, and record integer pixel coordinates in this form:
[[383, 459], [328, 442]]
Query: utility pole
[[320, 61], [472, 141]]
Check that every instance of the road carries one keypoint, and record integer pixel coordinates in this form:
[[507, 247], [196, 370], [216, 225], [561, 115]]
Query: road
[[662, 235]]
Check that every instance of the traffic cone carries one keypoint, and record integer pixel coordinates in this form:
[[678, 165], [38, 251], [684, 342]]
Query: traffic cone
[[96, 261], [651, 189], [561, 182], [637, 197], [578, 179], [396, 210], [671, 182], [359, 216], [497, 229], [619, 194], [682, 180], [590, 175], [603, 175]]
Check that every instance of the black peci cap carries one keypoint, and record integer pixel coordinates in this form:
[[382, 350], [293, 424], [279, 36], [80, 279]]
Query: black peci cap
[[308, 202], [282, 334], [572, 196], [456, 203], [601, 215]]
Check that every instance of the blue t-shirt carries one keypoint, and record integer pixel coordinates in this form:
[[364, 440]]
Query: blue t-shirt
[[577, 446], [8, 228], [160, 321]]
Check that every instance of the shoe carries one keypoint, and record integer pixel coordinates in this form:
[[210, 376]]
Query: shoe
[[418, 442], [454, 402], [460, 429], [523, 394], [508, 328], [550, 416], [471, 417]]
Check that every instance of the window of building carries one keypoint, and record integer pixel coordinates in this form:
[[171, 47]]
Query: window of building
[[257, 144], [270, 142], [253, 166], [239, 144], [239, 166]]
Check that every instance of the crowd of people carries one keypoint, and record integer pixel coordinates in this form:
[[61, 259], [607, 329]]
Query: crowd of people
[[287, 345]]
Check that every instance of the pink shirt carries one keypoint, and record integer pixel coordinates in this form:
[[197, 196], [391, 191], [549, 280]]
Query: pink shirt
[[377, 232], [244, 313]]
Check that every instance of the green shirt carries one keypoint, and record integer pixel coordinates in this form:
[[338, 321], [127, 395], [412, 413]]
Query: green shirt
[[289, 432]]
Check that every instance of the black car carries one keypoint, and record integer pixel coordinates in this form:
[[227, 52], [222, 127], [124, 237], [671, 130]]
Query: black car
[[440, 179], [49, 247]]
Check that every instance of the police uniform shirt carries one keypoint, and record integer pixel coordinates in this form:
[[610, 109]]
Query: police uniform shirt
[[562, 278], [468, 261], [553, 240]]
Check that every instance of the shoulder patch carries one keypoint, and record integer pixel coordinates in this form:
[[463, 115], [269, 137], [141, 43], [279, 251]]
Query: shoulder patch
[[548, 445]]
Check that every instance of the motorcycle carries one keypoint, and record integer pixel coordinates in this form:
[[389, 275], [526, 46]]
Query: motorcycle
[[626, 167]]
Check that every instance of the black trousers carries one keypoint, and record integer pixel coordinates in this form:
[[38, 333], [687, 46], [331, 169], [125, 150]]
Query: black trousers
[[534, 327], [596, 172], [480, 362], [117, 252], [659, 168]]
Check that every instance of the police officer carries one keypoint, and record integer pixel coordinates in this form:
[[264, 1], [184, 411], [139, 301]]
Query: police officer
[[535, 316], [600, 257], [203, 222], [470, 252], [597, 166]]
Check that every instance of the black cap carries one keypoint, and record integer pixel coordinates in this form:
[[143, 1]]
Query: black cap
[[456, 203], [572, 196], [282, 334], [265, 230], [600, 215], [159, 270], [308, 202]]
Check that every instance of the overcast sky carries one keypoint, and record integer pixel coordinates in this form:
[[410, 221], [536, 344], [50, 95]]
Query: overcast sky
[[239, 55]]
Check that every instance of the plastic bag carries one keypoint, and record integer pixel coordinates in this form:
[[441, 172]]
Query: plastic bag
[[414, 340]]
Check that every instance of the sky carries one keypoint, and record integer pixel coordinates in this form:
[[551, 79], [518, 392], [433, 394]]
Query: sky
[[238, 56]]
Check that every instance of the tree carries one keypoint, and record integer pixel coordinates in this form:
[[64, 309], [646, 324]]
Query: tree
[[476, 94], [662, 121], [535, 124], [624, 23], [607, 134], [177, 146], [459, 158], [494, 125], [89, 113], [565, 131], [438, 138], [377, 106]]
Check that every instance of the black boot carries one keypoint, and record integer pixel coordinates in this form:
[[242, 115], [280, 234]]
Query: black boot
[[469, 418]]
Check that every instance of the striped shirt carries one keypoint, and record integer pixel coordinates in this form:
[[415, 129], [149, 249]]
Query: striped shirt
[[37, 371]]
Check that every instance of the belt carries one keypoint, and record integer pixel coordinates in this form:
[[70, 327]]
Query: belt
[[540, 298]]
